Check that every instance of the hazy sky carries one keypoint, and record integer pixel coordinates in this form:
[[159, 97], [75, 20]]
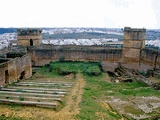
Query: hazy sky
[[80, 13]]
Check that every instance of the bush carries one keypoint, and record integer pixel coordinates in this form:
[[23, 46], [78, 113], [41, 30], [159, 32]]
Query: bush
[[62, 59], [21, 98], [93, 70]]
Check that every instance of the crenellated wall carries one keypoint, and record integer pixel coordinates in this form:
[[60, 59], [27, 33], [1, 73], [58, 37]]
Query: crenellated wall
[[15, 69]]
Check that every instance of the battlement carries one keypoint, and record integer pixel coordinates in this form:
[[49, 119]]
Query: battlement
[[29, 31], [129, 29]]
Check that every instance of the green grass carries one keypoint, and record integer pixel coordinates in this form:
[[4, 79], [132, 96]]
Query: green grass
[[96, 90], [132, 110], [57, 68], [90, 105], [12, 118]]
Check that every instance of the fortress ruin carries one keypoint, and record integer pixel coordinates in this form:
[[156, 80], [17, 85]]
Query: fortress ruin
[[15, 66], [133, 55]]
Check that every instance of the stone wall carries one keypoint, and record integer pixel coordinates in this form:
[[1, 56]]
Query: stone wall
[[110, 58], [15, 69], [149, 59], [25, 40], [134, 41], [45, 54], [29, 37], [3, 69]]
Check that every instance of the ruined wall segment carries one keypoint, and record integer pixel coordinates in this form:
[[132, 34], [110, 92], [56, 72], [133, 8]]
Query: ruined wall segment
[[14, 69], [150, 59], [29, 37], [134, 42], [3, 68]]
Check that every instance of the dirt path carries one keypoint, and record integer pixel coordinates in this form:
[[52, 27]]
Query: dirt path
[[67, 113], [72, 105]]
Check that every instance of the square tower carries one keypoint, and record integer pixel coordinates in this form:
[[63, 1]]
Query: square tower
[[29, 37], [134, 41]]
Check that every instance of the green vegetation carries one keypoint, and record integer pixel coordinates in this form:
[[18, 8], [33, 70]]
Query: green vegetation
[[13, 118], [93, 70], [21, 98], [132, 110], [68, 67], [97, 89], [94, 92]]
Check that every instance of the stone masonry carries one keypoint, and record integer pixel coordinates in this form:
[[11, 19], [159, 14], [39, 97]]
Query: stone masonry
[[13, 69], [29, 37], [134, 42]]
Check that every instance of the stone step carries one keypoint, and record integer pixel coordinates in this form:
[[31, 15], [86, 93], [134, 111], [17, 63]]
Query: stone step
[[47, 81], [41, 85], [37, 88], [31, 94], [6, 96], [32, 91], [32, 103]]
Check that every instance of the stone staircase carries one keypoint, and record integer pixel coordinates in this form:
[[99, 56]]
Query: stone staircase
[[41, 93]]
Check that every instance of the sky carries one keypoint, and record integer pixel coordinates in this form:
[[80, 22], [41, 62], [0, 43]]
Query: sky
[[80, 13]]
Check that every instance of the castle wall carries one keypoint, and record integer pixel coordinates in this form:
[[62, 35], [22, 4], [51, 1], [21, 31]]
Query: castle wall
[[111, 58], [150, 59], [41, 56], [15, 69]]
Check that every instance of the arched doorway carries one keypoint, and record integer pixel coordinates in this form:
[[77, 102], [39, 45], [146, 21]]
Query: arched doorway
[[31, 42]]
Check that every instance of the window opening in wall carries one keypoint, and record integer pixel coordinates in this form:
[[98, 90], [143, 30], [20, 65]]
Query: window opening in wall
[[6, 77], [31, 42]]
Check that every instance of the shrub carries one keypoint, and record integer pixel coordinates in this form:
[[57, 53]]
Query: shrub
[[62, 59], [93, 70], [21, 98]]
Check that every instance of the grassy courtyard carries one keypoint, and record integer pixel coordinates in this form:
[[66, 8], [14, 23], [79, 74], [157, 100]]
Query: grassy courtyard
[[96, 98]]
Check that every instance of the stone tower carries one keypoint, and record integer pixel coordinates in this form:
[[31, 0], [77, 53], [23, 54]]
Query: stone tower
[[29, 37], [134, 41]]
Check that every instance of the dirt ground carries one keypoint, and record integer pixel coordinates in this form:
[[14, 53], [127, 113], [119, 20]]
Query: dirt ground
[[69, 111]]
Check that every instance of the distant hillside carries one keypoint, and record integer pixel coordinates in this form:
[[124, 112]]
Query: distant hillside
[[7, 30], [151, 34], [84, 35]]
